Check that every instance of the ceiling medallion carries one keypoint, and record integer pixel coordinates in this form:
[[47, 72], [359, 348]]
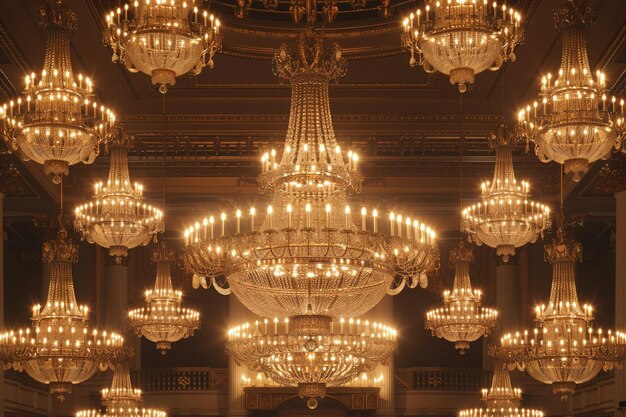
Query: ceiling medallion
[[163, 38], [163, 319], [117, 218], [122, 400], [461, 319], [60, 350], [308, 256], [501, 400], [312, 351], [563, 350], [505, 218], [573, 122], [462, 38], [56, 121]]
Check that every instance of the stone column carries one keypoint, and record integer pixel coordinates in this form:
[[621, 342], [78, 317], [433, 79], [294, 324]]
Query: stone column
[[2, 390], [507, 297], [237, 314], [116, 296], [620, 285], [383, 313]]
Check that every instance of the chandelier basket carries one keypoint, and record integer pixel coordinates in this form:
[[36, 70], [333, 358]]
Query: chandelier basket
[[56, 121], [462, 318], [309, 255], [563, 350], [60, 350], [117, 217], [163, 319], [462, 38], [573, 122], [505, 218], [163, 38]]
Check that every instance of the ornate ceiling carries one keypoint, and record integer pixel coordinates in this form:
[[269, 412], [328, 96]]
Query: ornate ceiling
[[209, 132]]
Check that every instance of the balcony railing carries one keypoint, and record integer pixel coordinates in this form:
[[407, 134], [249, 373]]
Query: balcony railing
[[181, 379], [441, 379]]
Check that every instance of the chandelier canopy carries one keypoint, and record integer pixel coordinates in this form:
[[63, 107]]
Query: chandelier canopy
[[501, 400], [573, 122], [122, 400], [56, 121], [308, 256], [564, 349], [461, 319], [505, 218], [312, 351], [462, 38], [163, 38], [117, 218], [163, 319], [60, 349]]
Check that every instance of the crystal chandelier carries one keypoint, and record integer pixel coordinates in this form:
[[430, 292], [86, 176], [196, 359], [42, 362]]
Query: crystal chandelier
[[505, 218], [308, 256], [312, 351], [163, 319], [163, 38], [60, 349], [117, 218], [462, 38], [461, 319], [573, 122], [122, 400], [564, 349], [501, 400], [56, 121]]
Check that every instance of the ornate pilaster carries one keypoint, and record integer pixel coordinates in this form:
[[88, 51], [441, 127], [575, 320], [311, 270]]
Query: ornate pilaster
[[237, 313], [383, 312], [2, 390], [620, 285], [116, 295]]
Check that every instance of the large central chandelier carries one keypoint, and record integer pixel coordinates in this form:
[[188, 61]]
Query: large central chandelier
[[505, 218], [163, 319], [60, 349], [462, 38], [564, 349], [163, 38], [461, 319], [501, 399], [573, 122], [312, 351], [122, 400], [309, 256], [56, 121], [117, 218]]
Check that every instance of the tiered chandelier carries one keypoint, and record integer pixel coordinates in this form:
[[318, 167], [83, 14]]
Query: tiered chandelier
[[501, 400], [462, 38], [117, 218], [564, 349], [60, 349], [122, 400], [56, 121], [461, 319], [505, 218], [312, 350], [163, 38], [163, 319], [308, 261], [573, 122]]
